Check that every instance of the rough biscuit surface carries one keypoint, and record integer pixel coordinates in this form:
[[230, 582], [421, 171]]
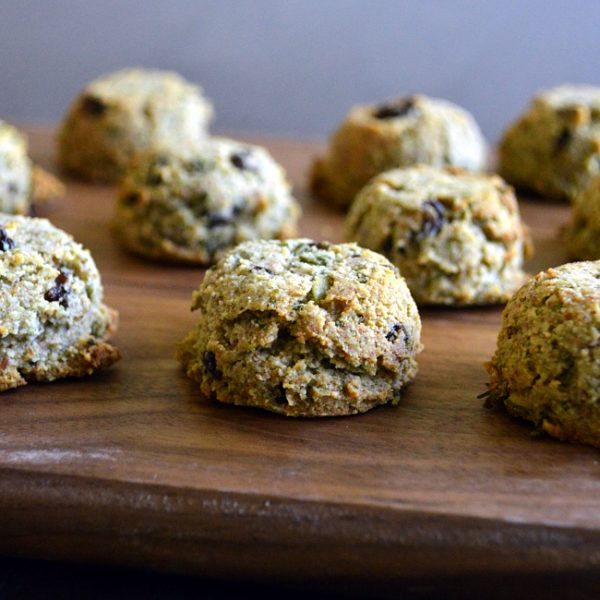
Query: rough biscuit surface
[[583, 233], [15, 171], [53, 323], [126, 112], [399, 133], [547, 363], [456, 237], [193, 205], [553, 149], [303, 329]]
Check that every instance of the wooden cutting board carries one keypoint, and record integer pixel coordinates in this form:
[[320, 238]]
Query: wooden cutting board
[[132, 467]]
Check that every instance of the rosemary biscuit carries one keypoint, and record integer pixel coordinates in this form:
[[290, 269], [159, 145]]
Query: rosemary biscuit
[[126, 112], [53, 323], [402, 132], [546, 367], [456, 236], [583, 233], [553, 149], [303, 328], [194, 204]]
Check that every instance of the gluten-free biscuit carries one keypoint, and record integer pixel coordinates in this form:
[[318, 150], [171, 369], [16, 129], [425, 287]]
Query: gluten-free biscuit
[[583, 233], [53, 322], [553, 149], [303, 328], [194, 205], [398, 133], [126, 112], [456, 236], [546, 367]]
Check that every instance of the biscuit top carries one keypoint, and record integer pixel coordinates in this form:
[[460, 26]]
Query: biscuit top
[[218, 178], [11, 140], [141, 85], [279, 275], [405, 110], [454, 188], [569, 285], [348, 301], [571, 96], [46, 278], [149, 92]]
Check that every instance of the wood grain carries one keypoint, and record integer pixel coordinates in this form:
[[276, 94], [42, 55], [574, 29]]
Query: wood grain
[[132, 467]]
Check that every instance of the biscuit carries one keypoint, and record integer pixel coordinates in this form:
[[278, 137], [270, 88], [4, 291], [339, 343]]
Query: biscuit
[[126, 112], [583, 233], [194, 205], [554, 148], [303, 329], [402, 132], [456, 236], [546, 367], [53, 323]]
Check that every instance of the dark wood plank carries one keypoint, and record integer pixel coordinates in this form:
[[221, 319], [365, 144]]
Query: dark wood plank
[[132, 467]]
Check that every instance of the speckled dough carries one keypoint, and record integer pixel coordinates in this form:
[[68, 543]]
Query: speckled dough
[[583, 234], [403, 132], [53, 323], [554, 148], [15, 171], [303, 329], [194, 205], [456, 237], [547, 364], [126, 112]]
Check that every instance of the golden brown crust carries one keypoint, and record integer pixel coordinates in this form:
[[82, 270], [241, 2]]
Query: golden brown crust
[[91, 359], [10, 378], [546, 367], [88, 357]]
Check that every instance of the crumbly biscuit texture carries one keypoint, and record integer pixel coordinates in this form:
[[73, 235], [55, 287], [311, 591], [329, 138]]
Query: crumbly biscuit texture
[[402, 132], [553, 149], [456, 236], [15, 171], [53, 322], [194, 205], [583, 233], [547, 363], [303, 329], [126, 112]]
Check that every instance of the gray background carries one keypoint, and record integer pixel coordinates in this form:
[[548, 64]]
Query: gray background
[[295, 66]]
